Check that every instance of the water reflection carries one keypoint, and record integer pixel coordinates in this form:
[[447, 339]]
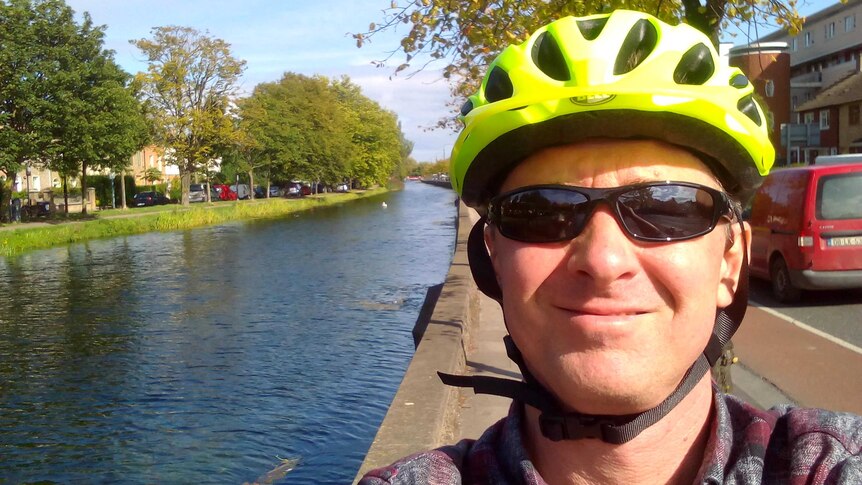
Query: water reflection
[[208, 355]]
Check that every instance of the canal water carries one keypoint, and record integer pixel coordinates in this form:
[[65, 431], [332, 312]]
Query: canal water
[[212, 355]]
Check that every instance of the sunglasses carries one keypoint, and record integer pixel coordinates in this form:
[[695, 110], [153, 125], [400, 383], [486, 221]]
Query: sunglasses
[[654, 211]]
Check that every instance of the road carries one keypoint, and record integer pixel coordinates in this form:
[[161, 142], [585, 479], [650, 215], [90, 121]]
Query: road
[[808, 353], [838, 313]]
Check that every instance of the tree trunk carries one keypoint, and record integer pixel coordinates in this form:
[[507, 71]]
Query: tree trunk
[[123, 188], [84, 198], [208, 189], [268, 187], [185, 177], [250, 185], [66, 196], [5, 205], [705, 19]]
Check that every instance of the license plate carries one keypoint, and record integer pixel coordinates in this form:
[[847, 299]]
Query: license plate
[[845, 241], [140, 204]]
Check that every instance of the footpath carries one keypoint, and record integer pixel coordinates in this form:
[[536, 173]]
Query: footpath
[[780, 361]]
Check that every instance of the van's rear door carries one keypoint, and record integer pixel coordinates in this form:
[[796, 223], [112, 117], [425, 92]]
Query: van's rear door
[[838, 219]]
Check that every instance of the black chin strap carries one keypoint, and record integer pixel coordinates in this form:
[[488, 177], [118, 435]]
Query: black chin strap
[[554, 422]]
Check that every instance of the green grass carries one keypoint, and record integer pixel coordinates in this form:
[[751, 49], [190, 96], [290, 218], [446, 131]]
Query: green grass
[[163, 218]]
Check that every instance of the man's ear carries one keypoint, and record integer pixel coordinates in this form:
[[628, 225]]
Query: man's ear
[[736, 248], [490, 241]]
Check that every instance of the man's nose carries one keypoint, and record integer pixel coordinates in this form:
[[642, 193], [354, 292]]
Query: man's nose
[[603, 251]]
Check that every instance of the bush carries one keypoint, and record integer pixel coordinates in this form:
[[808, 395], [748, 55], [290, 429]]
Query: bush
[[102, 184], [176, 191]]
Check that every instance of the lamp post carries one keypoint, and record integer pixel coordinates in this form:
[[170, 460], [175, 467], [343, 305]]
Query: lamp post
[[113, 196], [28, 172]]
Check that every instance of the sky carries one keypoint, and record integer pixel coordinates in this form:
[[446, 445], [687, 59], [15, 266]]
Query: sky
[[277, 36]]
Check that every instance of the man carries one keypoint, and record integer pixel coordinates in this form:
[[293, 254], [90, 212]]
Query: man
[[608, 156]]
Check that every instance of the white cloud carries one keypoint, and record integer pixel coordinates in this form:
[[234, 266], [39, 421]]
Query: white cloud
[[305, 37]]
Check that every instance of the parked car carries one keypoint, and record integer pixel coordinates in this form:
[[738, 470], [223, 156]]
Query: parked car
[[292, 190], [342, 188], [304, 190], [143, 199], [275, 191], [259, 192], [224, 192], [197, 193], [242, 191], [806, 227]]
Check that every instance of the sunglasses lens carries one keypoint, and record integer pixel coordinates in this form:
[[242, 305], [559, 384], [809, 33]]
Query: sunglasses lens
[[542, 215], [667, 212]]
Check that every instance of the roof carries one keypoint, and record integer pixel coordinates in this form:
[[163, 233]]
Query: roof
[[846, 90]]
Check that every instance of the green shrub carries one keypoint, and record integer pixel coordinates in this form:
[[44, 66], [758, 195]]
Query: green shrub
[[176, 192], [17, 241]]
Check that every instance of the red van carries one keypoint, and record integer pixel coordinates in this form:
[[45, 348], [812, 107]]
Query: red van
[[806, 227]]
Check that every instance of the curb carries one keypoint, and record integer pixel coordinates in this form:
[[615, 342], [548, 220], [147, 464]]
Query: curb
[[423, 411]]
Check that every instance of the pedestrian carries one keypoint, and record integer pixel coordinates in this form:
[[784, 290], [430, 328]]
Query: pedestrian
[[609, 157]]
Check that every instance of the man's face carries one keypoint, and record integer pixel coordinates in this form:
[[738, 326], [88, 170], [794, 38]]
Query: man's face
[[609, 324]]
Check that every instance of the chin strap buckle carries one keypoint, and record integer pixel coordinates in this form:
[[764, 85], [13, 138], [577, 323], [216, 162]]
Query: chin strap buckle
[[558, 427]]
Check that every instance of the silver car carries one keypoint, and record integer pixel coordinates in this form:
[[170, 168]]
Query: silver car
[[197, 193]]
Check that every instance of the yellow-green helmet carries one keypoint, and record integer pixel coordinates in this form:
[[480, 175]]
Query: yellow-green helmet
[[619, 75]]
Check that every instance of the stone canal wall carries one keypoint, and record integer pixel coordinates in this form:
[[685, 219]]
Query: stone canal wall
[[423, 412]]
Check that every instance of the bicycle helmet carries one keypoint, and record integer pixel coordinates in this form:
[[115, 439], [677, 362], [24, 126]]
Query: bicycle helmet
[[619, 75]]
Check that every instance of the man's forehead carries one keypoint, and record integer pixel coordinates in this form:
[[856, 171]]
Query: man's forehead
[[610, 163]]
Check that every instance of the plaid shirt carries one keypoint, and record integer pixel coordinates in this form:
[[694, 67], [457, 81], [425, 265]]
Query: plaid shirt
[[784, 445]]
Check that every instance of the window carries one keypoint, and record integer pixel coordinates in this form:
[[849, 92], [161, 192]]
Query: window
[[830, 30], [839, 197], [793, 44], [854, 114], [794, 101], [824, 119], [849, 23], [809, 39], [769, 89], [809, 118]]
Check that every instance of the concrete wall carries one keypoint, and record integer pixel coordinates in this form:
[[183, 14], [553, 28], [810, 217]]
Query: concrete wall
[[422, 413]]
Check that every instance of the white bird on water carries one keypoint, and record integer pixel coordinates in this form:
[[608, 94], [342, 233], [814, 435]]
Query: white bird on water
[[384, 205]]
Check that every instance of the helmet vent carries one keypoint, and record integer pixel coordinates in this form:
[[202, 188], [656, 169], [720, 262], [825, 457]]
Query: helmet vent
[[638, 44], [466, 107], [739, 81], [499, 86], [695, 66], [548, 57], [591, 29], [749, 108]]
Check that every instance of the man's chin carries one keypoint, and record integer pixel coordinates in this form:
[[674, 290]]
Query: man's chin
[[614, 393]]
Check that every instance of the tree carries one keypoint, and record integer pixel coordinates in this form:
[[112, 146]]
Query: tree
[[19, 89], [378, 146], [188, 85], [301, 127], [253, 147], [63, 101], [467, 36], [96, 121], [152, 175]]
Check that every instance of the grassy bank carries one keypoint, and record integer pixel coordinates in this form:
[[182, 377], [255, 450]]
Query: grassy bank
[[19, 240]]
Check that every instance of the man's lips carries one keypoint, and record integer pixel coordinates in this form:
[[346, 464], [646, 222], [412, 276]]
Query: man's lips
[[603, 311]]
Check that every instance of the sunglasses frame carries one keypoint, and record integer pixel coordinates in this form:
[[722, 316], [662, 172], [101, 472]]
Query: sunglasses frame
[[722, 207]]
